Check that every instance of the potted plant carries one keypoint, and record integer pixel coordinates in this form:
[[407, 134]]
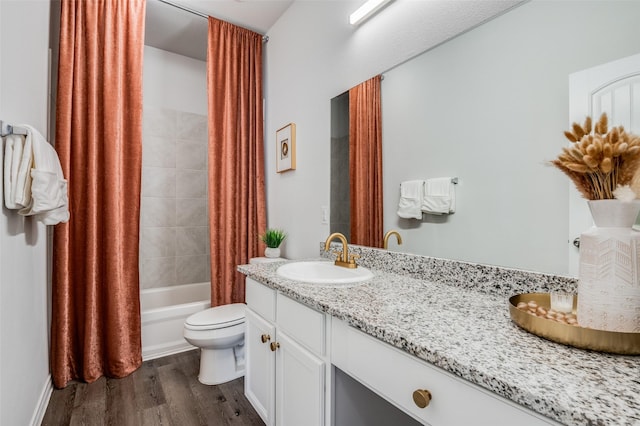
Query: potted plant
[[273, 238]]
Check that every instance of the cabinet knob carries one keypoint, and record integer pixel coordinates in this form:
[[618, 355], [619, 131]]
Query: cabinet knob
[[265, 338], [421, 397], [274, 346]]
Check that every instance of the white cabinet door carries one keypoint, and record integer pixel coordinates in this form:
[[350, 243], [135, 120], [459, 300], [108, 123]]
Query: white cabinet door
[[613, 88], [300, 383], [259, 381]]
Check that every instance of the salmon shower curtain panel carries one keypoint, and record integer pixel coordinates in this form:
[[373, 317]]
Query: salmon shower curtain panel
[[95, 301], [365, 163], [237, 212]]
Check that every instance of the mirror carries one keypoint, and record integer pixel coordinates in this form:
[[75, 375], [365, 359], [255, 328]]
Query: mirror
[[490, 107]]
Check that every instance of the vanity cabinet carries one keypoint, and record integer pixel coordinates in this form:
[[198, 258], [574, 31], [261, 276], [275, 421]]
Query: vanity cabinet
[[408, 382], [286, 358], [290, 351]]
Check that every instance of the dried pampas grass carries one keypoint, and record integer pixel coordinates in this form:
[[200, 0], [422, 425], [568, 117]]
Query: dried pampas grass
[[599, 159]]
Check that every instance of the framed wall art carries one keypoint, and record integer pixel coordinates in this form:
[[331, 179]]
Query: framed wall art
[[286, 148]]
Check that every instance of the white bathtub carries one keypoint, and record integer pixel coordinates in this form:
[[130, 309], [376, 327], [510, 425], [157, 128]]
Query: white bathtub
[[163, 311]]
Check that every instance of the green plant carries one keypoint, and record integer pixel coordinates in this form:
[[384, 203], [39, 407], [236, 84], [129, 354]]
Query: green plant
[[273, 237]]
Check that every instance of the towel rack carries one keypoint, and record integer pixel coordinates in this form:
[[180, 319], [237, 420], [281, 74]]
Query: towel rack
[[454, 180], [8, 129]]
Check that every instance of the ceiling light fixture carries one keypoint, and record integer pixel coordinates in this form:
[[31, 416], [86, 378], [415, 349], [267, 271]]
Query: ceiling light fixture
[[366, 10]]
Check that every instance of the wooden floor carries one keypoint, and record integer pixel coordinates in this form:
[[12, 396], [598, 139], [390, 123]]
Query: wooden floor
[[163, 391]]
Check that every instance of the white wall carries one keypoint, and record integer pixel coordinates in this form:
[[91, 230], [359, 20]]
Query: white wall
[[174, 81], [305, 72], [313, 54], [25, 383]]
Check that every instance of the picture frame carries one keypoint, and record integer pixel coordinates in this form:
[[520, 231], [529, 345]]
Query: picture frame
[[286, 148]]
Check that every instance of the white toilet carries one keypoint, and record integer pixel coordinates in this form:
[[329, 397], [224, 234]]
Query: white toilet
[[219, 333]]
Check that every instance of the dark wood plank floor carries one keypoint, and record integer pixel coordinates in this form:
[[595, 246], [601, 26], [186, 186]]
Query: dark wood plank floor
[[163, 391]]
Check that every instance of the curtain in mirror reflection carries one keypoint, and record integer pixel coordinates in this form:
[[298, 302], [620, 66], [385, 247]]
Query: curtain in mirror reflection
[[365, 163]]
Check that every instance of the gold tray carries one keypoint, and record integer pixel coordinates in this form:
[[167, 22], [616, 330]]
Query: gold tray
[[580, 337]]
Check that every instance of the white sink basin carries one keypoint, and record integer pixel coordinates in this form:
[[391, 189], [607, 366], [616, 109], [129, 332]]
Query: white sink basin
[[323, 273]]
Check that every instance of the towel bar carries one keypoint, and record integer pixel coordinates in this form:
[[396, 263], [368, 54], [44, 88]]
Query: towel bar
[[454, 180]]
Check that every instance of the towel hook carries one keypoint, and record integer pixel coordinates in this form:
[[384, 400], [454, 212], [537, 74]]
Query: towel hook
[[8, 129]]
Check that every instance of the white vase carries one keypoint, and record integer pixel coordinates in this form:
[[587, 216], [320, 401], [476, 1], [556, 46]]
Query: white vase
[[608, 278], [272, 252]]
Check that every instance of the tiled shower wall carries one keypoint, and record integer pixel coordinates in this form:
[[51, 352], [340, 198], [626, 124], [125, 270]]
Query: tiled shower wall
[[174, 234], [340, 190]]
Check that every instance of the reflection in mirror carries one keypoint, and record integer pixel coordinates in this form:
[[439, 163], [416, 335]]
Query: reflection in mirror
[[490, 106], [365, 162], [357, 163], [340, 192]]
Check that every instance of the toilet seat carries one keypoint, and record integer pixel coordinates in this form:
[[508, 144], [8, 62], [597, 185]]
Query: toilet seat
[[217, 317]]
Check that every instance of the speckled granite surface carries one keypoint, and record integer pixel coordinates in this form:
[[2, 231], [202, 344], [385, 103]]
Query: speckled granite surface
[[458, 320], [472, 276]]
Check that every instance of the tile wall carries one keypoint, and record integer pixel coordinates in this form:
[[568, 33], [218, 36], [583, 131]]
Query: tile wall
[[174, 234], [340, 189]]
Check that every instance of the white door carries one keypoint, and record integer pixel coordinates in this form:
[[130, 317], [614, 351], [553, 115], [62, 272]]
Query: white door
[[259, 380], [300, 379], [613, 88]]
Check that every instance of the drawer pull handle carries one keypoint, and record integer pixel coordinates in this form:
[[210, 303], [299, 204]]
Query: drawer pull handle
[[274, 346], [421, 397], [265, 338]]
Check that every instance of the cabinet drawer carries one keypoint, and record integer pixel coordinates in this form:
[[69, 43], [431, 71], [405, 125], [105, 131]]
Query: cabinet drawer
[[261, 299], [395, 375], [305, 325]]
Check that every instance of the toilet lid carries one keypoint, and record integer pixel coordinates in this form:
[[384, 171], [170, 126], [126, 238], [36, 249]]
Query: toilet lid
[[218, 317]]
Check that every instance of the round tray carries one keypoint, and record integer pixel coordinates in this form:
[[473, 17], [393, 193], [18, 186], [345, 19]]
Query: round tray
[[580, 337]]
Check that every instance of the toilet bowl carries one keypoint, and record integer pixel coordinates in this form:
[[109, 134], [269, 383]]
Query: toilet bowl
[[219, 333]]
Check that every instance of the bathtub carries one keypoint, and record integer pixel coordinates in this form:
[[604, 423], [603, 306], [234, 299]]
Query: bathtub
[[163, 311]]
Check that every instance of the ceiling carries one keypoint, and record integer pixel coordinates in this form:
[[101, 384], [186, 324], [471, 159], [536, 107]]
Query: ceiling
[[172, 29], [175, 30]]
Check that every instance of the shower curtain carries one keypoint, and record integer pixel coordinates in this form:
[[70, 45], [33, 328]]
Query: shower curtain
[[237, 212], [95, 327], [365, 163]]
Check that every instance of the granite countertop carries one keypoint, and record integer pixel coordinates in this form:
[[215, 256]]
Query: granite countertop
[[470, 334]]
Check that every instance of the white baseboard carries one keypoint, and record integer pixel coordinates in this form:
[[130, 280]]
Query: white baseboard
[[166, 349], [43, 402]]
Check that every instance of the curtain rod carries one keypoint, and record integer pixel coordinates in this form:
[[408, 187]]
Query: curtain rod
[[185, 8], [200, 14]]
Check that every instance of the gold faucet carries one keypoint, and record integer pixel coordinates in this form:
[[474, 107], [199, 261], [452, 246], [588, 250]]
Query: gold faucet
[[386, 238], [344, 259]]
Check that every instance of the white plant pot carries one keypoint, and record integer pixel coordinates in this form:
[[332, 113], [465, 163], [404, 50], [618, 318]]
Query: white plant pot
[[609, 278], [272, 252]]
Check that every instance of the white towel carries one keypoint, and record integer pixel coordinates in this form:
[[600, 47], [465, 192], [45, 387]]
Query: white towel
[[13, 146], [411, 199], [22, 188], [439, 196], [49, 201]]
